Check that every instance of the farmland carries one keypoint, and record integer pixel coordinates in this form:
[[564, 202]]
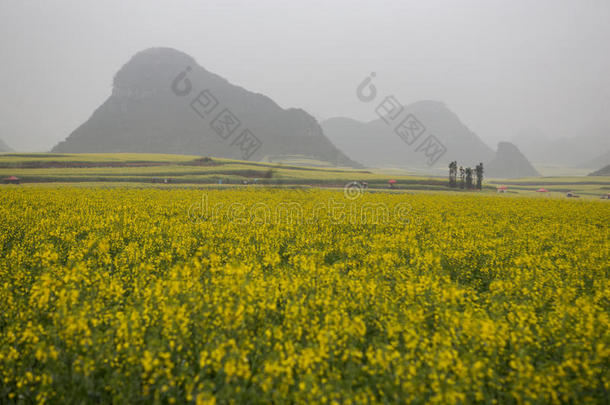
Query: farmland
[[138, 169], [172, 295], [134, 169]]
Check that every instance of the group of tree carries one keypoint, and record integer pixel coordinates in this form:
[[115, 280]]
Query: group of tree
[[466, 176]]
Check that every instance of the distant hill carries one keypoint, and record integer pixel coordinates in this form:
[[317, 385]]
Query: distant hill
[[577, 151], [600, 161], [604, 171], [4, 147], [376, 144], [153, 110], [509, 163]]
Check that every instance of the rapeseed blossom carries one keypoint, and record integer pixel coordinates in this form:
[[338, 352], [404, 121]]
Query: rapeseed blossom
[[117, 295]]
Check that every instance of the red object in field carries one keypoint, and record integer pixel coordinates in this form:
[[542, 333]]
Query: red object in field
[[11, 180], [542, 190], [392, 181], [502, 188]]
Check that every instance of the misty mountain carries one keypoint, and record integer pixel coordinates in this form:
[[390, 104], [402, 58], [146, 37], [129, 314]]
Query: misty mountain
[[604, 171], [4, 147], [162, 101], [600, 161], [578, 151], [509, 163], [401, 142]]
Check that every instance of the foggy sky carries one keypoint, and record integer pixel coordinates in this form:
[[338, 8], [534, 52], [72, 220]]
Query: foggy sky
[[502, 66]]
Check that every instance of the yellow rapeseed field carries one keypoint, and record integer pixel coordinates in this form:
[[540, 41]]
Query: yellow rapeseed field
[[257, 296]]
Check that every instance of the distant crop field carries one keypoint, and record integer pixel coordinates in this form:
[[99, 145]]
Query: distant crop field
[[586, 187], [93, 157], [125, 295], [179, 169]]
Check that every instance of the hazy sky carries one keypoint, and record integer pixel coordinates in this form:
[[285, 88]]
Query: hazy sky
[[502, 66]]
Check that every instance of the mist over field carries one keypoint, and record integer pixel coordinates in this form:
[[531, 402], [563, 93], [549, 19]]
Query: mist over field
[[534, 74]]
